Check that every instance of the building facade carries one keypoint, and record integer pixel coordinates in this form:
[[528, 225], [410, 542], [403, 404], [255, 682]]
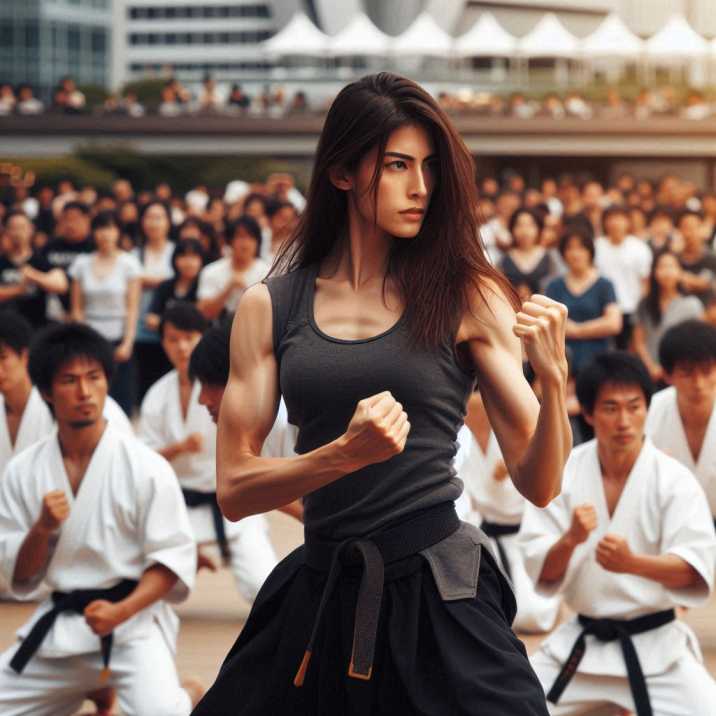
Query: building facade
[[41, 41]]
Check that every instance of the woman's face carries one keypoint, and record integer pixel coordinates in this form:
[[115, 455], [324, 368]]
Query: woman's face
[[106, 238], [667, 271], [405, 186], [525, 232], [155, 222], [188, 265], [576, 256]]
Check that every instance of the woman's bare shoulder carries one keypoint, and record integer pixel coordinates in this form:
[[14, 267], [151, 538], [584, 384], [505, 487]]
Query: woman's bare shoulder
[[489, 312]]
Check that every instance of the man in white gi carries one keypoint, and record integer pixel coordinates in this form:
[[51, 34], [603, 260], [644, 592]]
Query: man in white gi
[[682, 417], [180, 429], [497, 507], [100, 518], [629, 539]]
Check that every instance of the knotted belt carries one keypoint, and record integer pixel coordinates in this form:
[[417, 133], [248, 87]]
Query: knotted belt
[[495, 531], [75, 601], [372, 552], [611, 630], [194, 498]]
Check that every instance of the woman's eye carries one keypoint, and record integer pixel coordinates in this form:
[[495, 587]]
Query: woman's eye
[[398, 164]]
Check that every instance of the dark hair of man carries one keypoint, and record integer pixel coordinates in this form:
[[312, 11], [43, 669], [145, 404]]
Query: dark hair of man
[[56, 345], [104, 220], [78, 205], [273, 206], [184, 316], [249, 225], [15, 331], [578, 233], [691, 342], [614, 210], [255, 197], [661, 211], [537, 217], [209, 362], [689, 212], [616, 368]]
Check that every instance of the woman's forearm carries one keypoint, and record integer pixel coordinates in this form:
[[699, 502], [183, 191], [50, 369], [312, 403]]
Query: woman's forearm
[[539, 474], [602, 327]]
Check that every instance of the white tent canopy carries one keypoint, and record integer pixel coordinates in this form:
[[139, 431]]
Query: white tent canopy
[[299, 37], [612, 39], [486, 38], [549, 38], [676, 40], [359, 37], [423, 37]]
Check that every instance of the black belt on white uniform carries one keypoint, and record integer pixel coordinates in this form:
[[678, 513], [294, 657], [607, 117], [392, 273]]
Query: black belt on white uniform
[[75, 601], [194, 498], [372, 552], [495, 531], [611, 630]]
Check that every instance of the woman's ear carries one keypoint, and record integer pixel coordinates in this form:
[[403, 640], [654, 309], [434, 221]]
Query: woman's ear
[[340, 178]]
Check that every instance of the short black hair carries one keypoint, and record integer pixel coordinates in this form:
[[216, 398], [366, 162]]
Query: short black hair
[[658, 211], [611, 368], [185, 247], [16, 212], [79, 205], [209, 362], [689, 212], [15, 331], [578, 232], [184, 316], [104, 219], [691, 342], [250, 225], [615, 210], [57, 344], [537, 217]]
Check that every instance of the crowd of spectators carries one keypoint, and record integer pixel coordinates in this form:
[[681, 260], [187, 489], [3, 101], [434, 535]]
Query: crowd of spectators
[[175, 99], [629, 258]]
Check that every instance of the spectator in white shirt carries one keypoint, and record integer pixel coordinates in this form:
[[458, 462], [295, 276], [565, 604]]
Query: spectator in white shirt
[[222, 282]]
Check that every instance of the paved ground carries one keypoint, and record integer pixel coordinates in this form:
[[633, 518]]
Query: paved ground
[[215, 613]]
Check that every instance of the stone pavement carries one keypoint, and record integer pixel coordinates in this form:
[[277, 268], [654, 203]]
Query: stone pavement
[[215, 613]]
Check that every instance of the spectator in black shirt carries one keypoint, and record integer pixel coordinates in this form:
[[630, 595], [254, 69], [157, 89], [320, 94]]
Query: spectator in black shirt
[[26, 277], [188, 260], [698, 262]]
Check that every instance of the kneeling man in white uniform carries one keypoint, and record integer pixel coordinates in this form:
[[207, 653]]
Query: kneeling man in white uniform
[[629, 539], [100, 518]]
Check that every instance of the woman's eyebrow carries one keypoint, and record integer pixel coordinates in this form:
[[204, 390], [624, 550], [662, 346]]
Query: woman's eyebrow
[[400, 155]]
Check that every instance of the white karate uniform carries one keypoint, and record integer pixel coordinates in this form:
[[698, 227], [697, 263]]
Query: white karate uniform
[[127, 515], [662, 510], [161, 424], [666, 430], [501, 503]]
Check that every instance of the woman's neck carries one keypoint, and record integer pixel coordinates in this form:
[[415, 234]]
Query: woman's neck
[[156, 243], [183, 282], [668, 293], [109, 254], [581, 273]]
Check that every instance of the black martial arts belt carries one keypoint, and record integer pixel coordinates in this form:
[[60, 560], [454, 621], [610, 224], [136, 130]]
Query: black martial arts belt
[[610, 630], [371, 552], [194, 498], [495, 531], [75, 601]]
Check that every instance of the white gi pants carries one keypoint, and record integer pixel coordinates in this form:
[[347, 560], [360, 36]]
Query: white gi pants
[[142, 671], [685, 689]]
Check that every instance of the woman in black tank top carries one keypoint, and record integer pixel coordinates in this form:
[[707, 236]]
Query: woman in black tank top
[[381, 313]]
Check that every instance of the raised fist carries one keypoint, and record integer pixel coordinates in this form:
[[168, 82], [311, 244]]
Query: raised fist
[[584, 520], [55, 510]]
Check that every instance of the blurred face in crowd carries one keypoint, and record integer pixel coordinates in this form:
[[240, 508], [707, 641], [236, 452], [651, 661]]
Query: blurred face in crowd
[[122, 190], [616, 227], [638, 221], [406, 181], [188, 265], [708, 204], [490, 187], [244, 248], [525, 232], [18, 233], [695, 383], [549, 188], [13, 368], [283, 220], [507, 204], [667, 272], [128, 213], [75, 225], [592, 196], [88, 195], [661, 228], [178, 345], [532, 198], [618, 418], [107, 239], [691, 228], [577, 256], [155, 223], [163, 191]]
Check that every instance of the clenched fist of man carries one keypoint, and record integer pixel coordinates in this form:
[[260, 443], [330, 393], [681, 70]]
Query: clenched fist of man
[[541, 325], [584, 521], [614, 554], [55, 510], [377, 431]]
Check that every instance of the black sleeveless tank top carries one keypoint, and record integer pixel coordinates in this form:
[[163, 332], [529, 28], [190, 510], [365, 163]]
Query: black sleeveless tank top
[[322, 379]]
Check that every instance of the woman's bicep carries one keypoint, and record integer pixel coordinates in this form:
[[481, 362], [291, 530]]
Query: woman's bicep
[[250, 402]]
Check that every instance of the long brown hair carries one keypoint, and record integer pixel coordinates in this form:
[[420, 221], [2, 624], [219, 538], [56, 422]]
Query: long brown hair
[[436, 270]]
